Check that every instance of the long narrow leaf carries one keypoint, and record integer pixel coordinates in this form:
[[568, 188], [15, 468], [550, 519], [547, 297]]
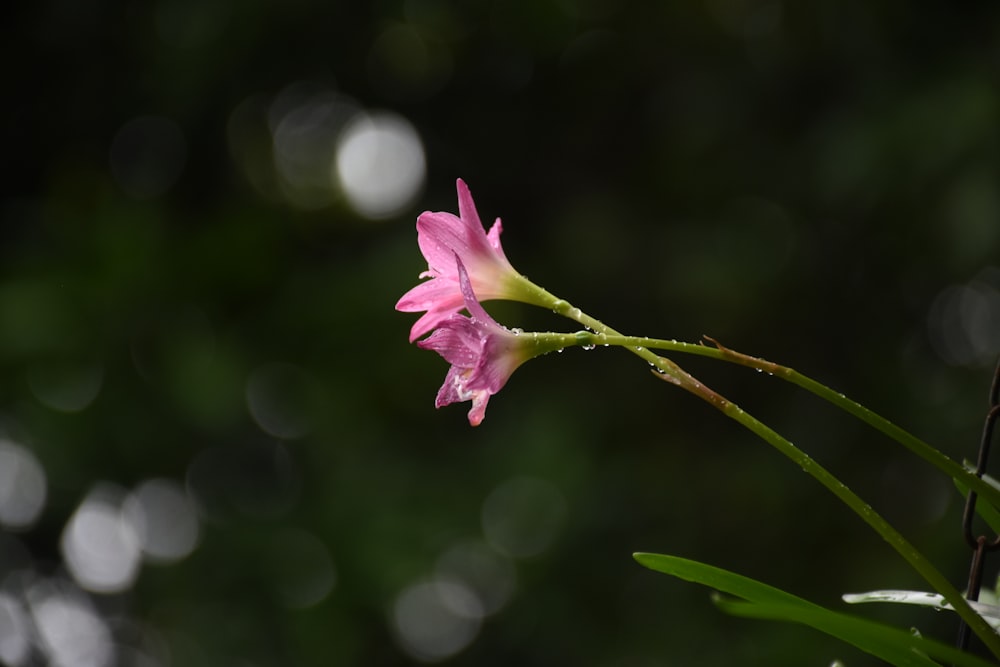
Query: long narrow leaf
[[986, 511], [719, 579], [760, 600], [893, 645]]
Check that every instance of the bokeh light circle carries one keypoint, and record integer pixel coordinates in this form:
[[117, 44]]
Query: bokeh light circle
[[15, 637], [281, 398], [164, 518], [303, 571], [488, 574], [963, 321], [66, 387], [100, 547], [434, 620], [380, 164], [22, 486], [70, 631], [306, 121], [522, 516]]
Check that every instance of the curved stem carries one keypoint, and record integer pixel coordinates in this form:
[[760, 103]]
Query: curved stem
[[916, 560], [541, 296], [671, 372], [940, 461]]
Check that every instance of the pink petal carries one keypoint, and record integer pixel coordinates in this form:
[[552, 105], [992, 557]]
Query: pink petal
[[457, 340], [496, 365], [448, 393], [436, 293], [430, 321], [494, 238], [426, 322], [471, 303], [439, 236], [467, 207], [478, 410]]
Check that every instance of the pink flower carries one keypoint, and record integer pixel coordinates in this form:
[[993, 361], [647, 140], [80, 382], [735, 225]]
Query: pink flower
[[441, 237], [483, 354]]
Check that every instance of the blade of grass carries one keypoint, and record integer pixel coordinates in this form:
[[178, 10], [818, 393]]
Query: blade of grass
[[759, 600], [896, 646]]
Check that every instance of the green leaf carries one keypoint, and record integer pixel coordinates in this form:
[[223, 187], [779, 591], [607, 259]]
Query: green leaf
[[719, 579], [896, 646], [984, 508]]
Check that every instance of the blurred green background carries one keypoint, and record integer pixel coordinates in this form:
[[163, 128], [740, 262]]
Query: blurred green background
[[218, 448]]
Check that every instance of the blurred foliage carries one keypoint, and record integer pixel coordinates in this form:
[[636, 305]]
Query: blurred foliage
[[800, 181]]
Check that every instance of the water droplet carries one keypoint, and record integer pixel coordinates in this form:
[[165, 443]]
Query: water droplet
[[588, 347], [516, 331]]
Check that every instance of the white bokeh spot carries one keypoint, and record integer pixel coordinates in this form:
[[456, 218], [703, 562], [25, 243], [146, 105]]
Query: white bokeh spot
[[380, 164]]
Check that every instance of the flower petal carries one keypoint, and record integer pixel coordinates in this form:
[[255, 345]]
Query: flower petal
[[449, 392], [443, 235], [471, 302], [440, 235], [458, 340], [466, 206], [437, 296], [436, 293], [478, 410], [493, 236], [496, 363]]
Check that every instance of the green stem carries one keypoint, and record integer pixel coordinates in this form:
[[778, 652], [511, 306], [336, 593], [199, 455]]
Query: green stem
[[946, 465], [916, 560], [539, 296], [672, 373]]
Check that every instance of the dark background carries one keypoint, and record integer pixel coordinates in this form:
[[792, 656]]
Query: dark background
[[186, 295]]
